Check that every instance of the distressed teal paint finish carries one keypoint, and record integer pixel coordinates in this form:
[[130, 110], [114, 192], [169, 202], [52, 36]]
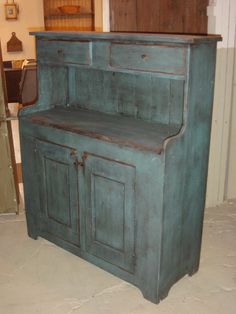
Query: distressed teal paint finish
[[109, 128], [144, 95], [115, 151], [64, 52], [149, 58], [110, 210], [57, 176]]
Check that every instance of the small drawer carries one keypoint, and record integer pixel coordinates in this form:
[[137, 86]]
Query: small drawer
[[64, 52], [164, 59]]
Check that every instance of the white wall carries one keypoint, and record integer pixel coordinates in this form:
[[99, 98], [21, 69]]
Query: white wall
[[102, 19], [106, 15], [30, 17], [222, 18], [231, 177]]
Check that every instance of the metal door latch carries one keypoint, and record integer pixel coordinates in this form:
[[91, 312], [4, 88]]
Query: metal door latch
[[80, 163]]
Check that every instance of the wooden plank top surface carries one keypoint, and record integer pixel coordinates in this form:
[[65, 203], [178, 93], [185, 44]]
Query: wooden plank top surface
[[137, 37], [120, 130]]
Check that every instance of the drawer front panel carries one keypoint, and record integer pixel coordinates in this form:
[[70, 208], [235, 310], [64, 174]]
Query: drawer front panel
[[162, 59], [64, 52]]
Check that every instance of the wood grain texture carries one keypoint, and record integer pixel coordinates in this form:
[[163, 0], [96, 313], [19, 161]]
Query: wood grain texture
[[143, 96], [148, 15], [171, 16], [167, 16], [123, 15], [19, 172]]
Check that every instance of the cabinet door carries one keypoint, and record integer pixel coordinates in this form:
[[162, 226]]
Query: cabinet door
[[57, 173], [110, 211]]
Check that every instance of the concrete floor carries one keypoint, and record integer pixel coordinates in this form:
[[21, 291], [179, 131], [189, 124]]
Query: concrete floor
[[38, 277]]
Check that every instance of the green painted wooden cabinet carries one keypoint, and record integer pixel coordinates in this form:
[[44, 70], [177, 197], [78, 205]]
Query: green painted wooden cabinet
[[115, 151]]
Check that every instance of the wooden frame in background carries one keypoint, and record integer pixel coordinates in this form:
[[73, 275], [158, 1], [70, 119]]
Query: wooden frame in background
[[11, 11]]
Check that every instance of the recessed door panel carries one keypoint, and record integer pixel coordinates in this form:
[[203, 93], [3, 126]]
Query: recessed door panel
[[57, 177], [110, 211], [57, 172]]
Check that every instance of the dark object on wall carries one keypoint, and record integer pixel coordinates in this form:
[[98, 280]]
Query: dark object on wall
[[21, 83], [11, 10], [13, 77], [28, 84], [14, 44], [179, 16], [115, 152]]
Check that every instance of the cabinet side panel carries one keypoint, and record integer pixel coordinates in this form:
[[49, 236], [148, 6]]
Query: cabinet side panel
[[30, 181], [186, 174], [201, 91], [53, 85]]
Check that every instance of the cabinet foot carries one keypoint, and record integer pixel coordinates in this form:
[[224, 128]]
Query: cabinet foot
[[156, 298], [151, 298], [33, 235], [193, 271]]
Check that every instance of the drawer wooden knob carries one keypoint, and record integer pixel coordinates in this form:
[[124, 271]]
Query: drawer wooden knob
[[60, 52]]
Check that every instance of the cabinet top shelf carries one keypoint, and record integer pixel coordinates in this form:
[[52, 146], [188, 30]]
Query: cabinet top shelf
[[138, 37], [120, 130]]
